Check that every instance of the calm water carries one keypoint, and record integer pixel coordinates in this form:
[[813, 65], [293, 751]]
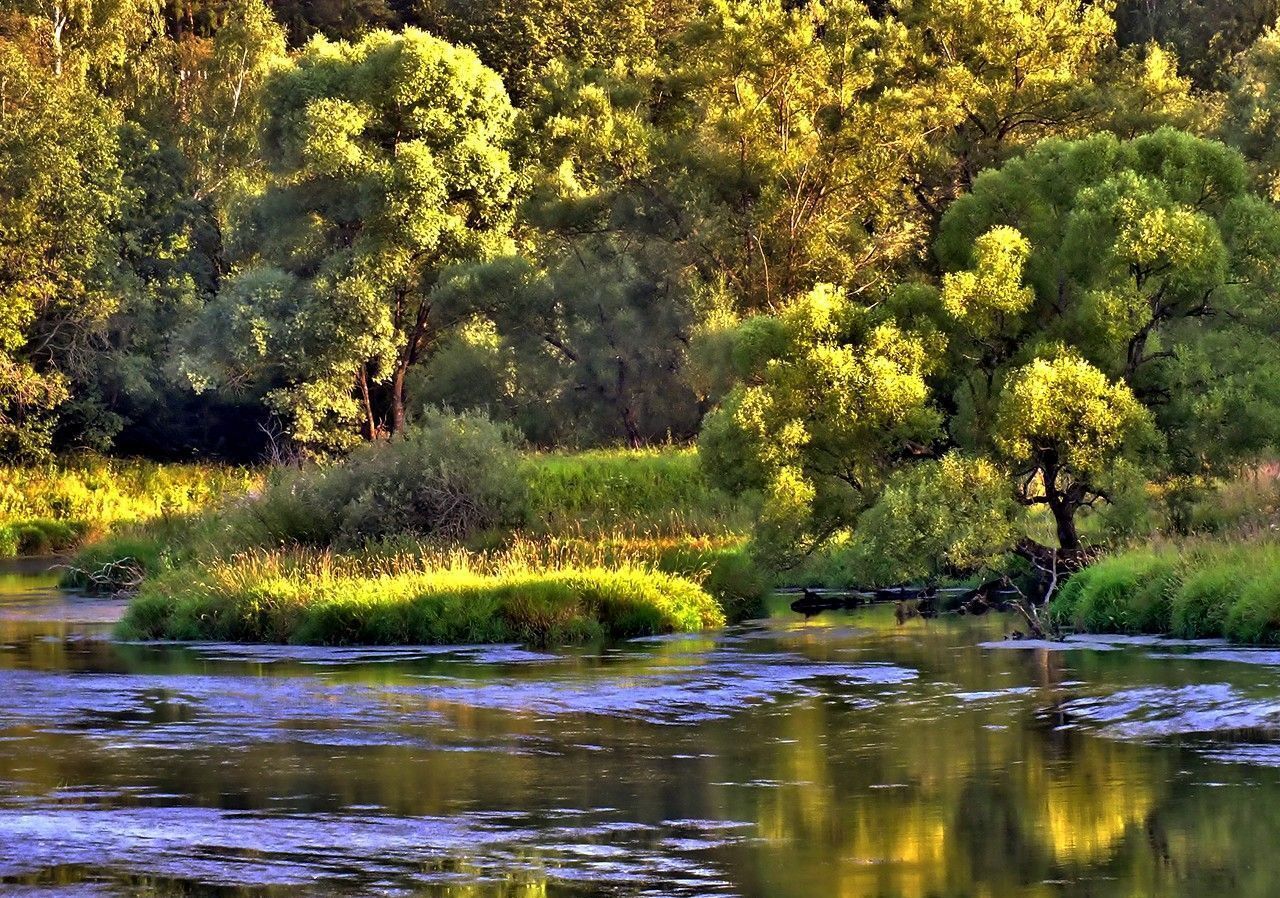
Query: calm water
[[843, 756]]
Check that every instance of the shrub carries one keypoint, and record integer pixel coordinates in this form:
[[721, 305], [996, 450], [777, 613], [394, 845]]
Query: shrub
[[40, 536], [52, 508], [446, 478], [1194, 590], [1255, 616], [1127, 593], [118, 563], [1202, 601], [728, 573]]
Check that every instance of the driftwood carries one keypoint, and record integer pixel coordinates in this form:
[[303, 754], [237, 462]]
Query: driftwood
[[120, 577], [1050, 567]]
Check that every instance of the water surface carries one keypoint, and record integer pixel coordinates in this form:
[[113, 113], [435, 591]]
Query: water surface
[[841, 756]]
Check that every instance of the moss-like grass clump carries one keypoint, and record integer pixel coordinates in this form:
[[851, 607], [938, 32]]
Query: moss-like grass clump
[[1197, 590], [319, 599]]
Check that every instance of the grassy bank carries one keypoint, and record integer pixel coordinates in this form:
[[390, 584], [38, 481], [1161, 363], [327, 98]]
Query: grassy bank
[[610, 543], [320, 598], [1196, 589], [54, 508]]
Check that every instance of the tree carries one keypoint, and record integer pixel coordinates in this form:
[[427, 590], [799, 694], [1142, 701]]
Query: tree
[[60, 201], [1252, 120], [521, 39], [1120, 264], [1206, 34], [833, 397], [1081, 335], [389, 164], [82, 38]]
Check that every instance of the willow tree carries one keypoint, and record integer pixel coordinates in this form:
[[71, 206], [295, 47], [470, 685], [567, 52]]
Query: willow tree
[[389, 165], [1107, 313]]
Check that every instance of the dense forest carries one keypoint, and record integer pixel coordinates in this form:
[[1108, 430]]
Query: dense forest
[[877, 258]]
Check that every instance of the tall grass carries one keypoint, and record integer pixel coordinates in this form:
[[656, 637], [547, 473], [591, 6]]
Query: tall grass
[[1193, 589], [52, 508], [655, 490], [447, 597]]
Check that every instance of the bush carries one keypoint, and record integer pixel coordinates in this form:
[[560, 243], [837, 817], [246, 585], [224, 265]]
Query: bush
[[267, 597], [1256, 616], [118, 563], [1202, 602], [40, 537], [1193, 591], [728, 573], [446, 478], [52, 508]]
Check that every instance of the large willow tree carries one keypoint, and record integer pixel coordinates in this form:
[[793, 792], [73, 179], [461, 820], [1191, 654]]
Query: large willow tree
[[1107, 312]]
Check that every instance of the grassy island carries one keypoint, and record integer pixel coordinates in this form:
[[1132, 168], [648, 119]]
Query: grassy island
[[317, 600]]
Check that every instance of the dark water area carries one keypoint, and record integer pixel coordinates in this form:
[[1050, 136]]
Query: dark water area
[[841, 756]]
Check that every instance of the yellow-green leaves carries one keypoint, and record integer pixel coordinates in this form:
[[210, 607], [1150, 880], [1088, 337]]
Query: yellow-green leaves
[[391, 165], [993, 288], [332, 127], [943, 517], [1066, 412], [819, 421]]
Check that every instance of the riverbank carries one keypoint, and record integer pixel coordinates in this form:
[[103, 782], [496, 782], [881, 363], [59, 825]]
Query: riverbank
[[55, 508], [603, 544], [1194, 589]]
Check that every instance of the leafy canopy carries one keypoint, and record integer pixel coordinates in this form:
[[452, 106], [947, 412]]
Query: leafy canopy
[[389, 164]]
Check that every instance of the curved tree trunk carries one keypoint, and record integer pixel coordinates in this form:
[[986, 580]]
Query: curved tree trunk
[[1064, 519]]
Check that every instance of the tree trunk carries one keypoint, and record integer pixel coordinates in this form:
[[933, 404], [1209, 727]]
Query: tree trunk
[[397, 398], [370, 423], [1064, 519]]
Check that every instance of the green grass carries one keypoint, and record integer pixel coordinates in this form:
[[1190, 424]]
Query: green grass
[[651, 490], [321, 599], [40, 536], [600, 525], [54, 508], [1193, 590]]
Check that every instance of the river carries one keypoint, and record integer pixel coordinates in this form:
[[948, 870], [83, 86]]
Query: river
[[846, 755]]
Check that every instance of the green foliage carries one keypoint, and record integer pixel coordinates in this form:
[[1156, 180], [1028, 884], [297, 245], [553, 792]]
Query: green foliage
[[1252, 112], [947, 518], [520, 39], [60, 197], [67, 502], [1206, 34], [816, 428], [1193, 591], [40, 536], [117, 563], [634, 490], [389, 165], [309, 599], [1127, 593], [446, 478]]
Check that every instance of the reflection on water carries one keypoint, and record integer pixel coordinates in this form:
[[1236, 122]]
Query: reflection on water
[[843, 756]]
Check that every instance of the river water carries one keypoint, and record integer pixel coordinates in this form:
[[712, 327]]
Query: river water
[[841, 756]]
